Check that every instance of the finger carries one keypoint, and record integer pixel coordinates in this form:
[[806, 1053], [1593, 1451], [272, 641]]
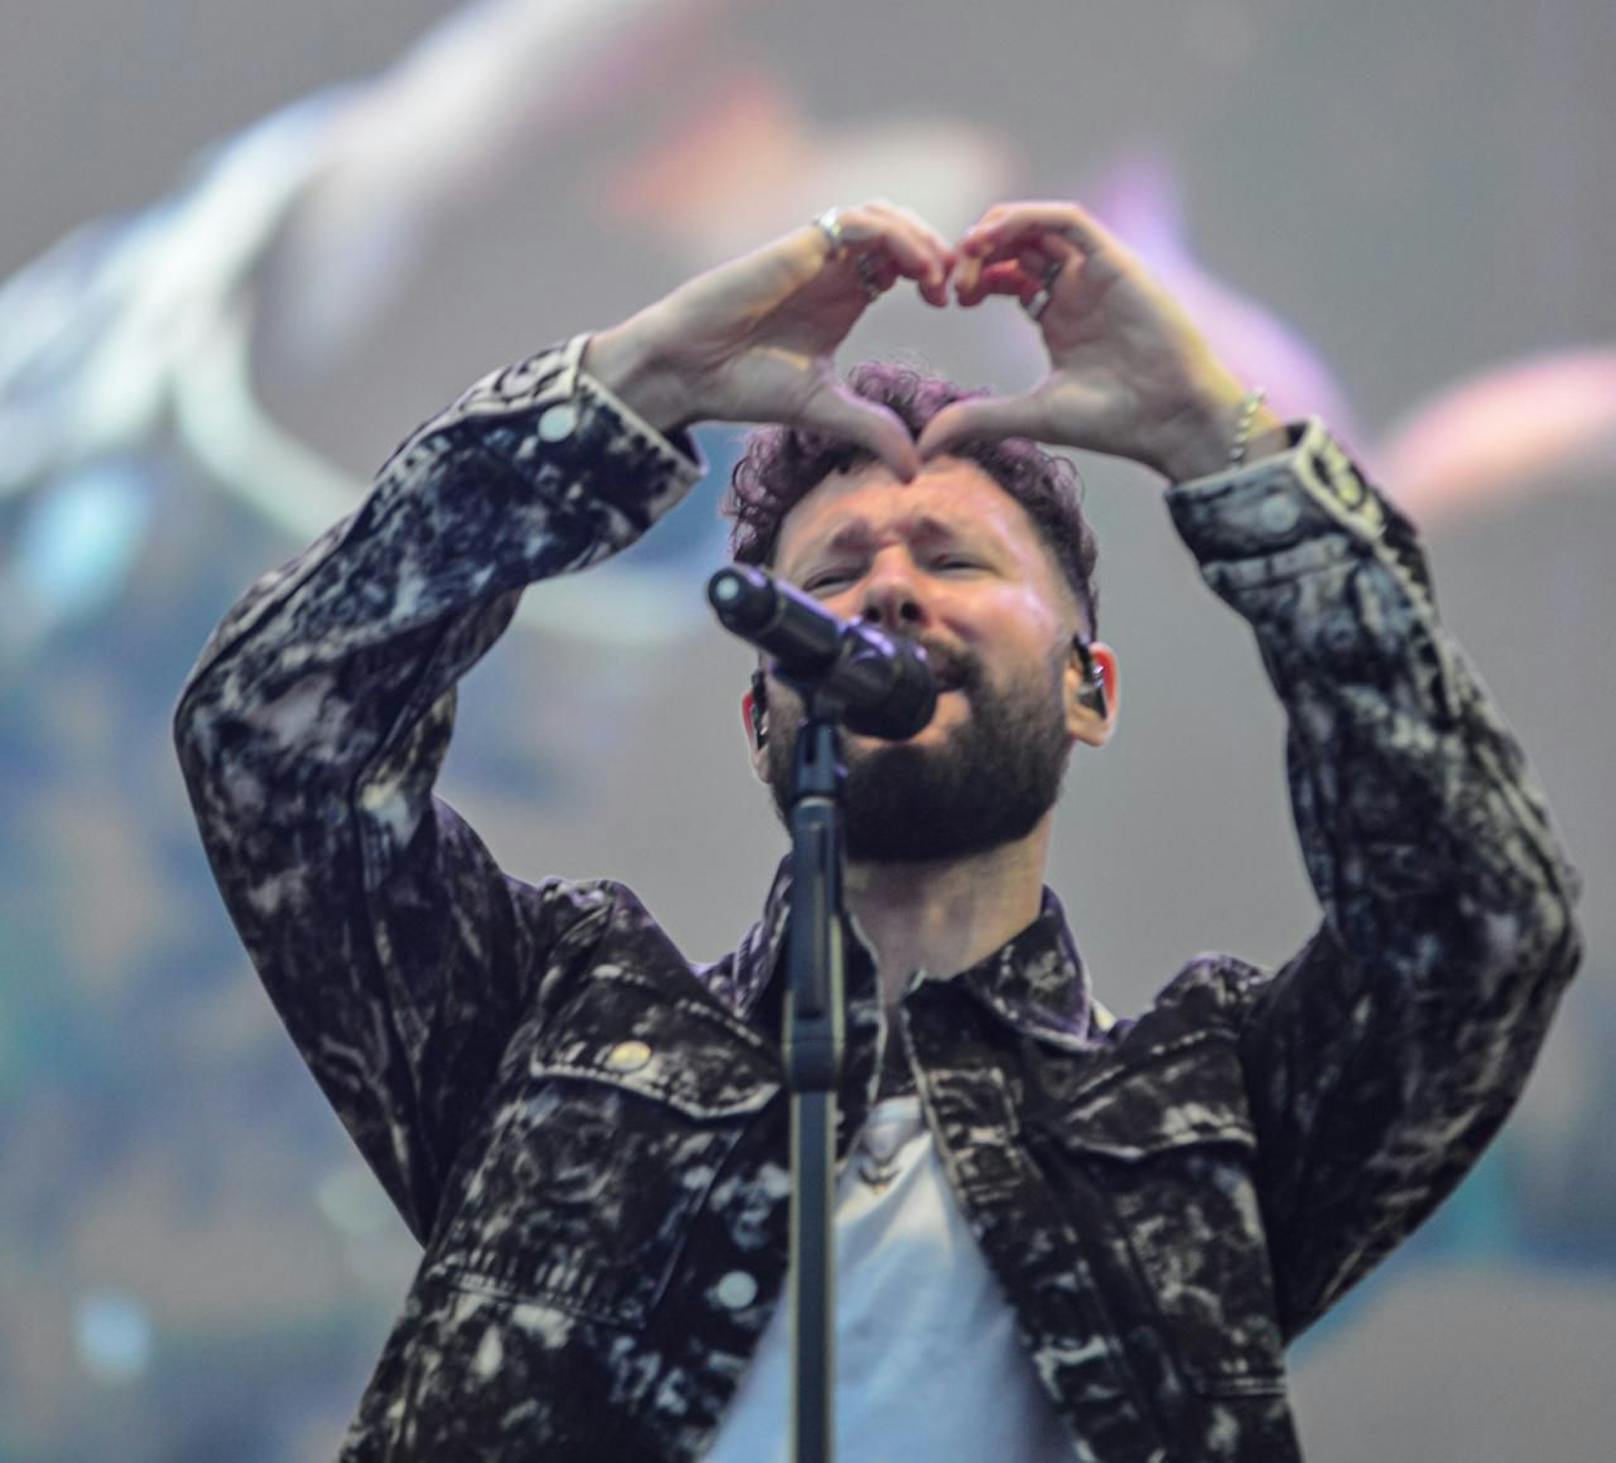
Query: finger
[[1040, 272], [1067, 221], [1037, 262], [917, 228], [979, 419], [839, 412], [933, 237], [1022, 220], [907, 259], [877, 271], [1008, 278], [990, 216], [919, 251], [967, 273], [1041, 257], [934, 288], [1038, 254]]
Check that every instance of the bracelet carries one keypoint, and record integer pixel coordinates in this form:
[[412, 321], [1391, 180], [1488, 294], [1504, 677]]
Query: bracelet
[[1248, 412]]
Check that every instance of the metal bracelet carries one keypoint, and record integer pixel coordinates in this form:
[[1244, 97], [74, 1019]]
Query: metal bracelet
[[1248, 413]]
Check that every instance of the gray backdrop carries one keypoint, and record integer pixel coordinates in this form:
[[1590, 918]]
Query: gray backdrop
[[192, 1263]]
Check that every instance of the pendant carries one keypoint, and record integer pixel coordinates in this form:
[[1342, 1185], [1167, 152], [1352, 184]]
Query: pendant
[[876, 1172]]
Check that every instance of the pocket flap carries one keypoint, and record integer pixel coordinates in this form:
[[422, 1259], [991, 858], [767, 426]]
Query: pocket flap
[[1189, 1092], [623, 1030]]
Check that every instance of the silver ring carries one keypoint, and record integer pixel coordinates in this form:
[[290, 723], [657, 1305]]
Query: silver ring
[[1036, 306], [867, 269], [830, 225]]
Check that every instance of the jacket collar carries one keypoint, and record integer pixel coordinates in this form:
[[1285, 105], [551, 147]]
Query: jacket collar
[[1036, 981], [760, 949]]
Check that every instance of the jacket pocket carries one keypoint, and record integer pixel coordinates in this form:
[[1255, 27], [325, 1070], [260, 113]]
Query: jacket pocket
[[594, 1170], [1168, 1148]]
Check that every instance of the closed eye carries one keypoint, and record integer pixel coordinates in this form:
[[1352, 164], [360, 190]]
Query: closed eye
[[817, 582], [949, 563]]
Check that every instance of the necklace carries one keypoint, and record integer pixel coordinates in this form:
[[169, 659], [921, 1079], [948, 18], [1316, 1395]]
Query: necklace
[[876, 1172], [889, 1126]]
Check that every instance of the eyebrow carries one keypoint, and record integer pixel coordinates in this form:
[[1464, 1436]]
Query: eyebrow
[[856, 537]]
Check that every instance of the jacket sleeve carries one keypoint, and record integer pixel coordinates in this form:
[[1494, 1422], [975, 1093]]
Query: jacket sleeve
[[1382, 1059], [311, 731]]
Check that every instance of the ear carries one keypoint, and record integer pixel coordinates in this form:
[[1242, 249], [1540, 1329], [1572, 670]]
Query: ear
[[754, 720], [1085, 720]]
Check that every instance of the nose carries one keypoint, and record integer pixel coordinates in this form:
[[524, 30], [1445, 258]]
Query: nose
[[891, 597]]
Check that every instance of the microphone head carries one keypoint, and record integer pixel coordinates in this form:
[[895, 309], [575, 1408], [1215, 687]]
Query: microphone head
[[882, 685], [909, 701], [743, 597]]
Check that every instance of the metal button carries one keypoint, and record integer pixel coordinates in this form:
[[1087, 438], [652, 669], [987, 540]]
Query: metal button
[[1279, 513], [736, 1290], [628, 1056], [558, 422]]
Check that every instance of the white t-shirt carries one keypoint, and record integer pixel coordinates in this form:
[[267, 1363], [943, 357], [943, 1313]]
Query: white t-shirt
[[928, 1365]]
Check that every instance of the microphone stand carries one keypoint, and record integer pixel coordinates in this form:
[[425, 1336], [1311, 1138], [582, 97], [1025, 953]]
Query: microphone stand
[[836, 669], [812, 1041]]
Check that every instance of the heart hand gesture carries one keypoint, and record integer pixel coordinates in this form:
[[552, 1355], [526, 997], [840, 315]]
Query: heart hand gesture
[[753, 340], [1129, 373]]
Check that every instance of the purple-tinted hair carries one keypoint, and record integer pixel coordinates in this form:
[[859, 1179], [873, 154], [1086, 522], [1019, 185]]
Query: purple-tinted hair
[[781, 465]]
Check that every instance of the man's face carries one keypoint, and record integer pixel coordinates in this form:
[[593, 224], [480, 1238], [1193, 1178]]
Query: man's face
[[953, 562]]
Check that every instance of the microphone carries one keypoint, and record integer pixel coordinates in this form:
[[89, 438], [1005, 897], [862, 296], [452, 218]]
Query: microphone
[[884, 685]]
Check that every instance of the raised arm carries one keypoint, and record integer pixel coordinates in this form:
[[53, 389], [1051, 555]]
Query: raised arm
[[312, 729], [1381, 1060], [311, 732]]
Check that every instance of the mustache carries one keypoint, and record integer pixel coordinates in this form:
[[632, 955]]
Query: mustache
[[951, 669]]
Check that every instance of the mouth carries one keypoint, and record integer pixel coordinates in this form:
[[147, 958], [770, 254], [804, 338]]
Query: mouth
[[946, 674]]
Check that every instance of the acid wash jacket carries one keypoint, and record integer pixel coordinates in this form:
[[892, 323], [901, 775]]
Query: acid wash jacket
[[588, 1133]]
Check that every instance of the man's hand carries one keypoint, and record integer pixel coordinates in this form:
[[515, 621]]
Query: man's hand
[[1129, 374], [754, 340]]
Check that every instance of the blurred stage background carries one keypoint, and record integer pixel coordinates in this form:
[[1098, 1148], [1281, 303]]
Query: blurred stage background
[[247, 248]]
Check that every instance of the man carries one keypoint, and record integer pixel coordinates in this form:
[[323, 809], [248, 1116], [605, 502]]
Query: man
[[588, 1134]]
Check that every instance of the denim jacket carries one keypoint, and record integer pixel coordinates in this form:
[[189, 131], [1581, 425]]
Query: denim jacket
[[588, 1133]]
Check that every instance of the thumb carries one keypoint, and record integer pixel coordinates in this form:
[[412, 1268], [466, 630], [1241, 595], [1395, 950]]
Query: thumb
[[839, 412], [978, 418]]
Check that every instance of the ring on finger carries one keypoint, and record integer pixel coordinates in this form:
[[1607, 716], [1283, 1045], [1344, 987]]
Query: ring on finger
[[869, 271], [829, 223], [1036, 306]]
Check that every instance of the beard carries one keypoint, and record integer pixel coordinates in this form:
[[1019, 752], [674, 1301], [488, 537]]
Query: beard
[[987, 783]]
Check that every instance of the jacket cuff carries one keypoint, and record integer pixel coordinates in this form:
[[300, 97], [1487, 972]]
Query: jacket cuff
[[546, 416], [676, 451], [1283, 514]]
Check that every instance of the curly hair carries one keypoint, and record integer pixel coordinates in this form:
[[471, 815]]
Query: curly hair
[[781, 465]]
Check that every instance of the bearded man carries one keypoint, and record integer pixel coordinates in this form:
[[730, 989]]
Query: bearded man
[[1058, 1235]]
